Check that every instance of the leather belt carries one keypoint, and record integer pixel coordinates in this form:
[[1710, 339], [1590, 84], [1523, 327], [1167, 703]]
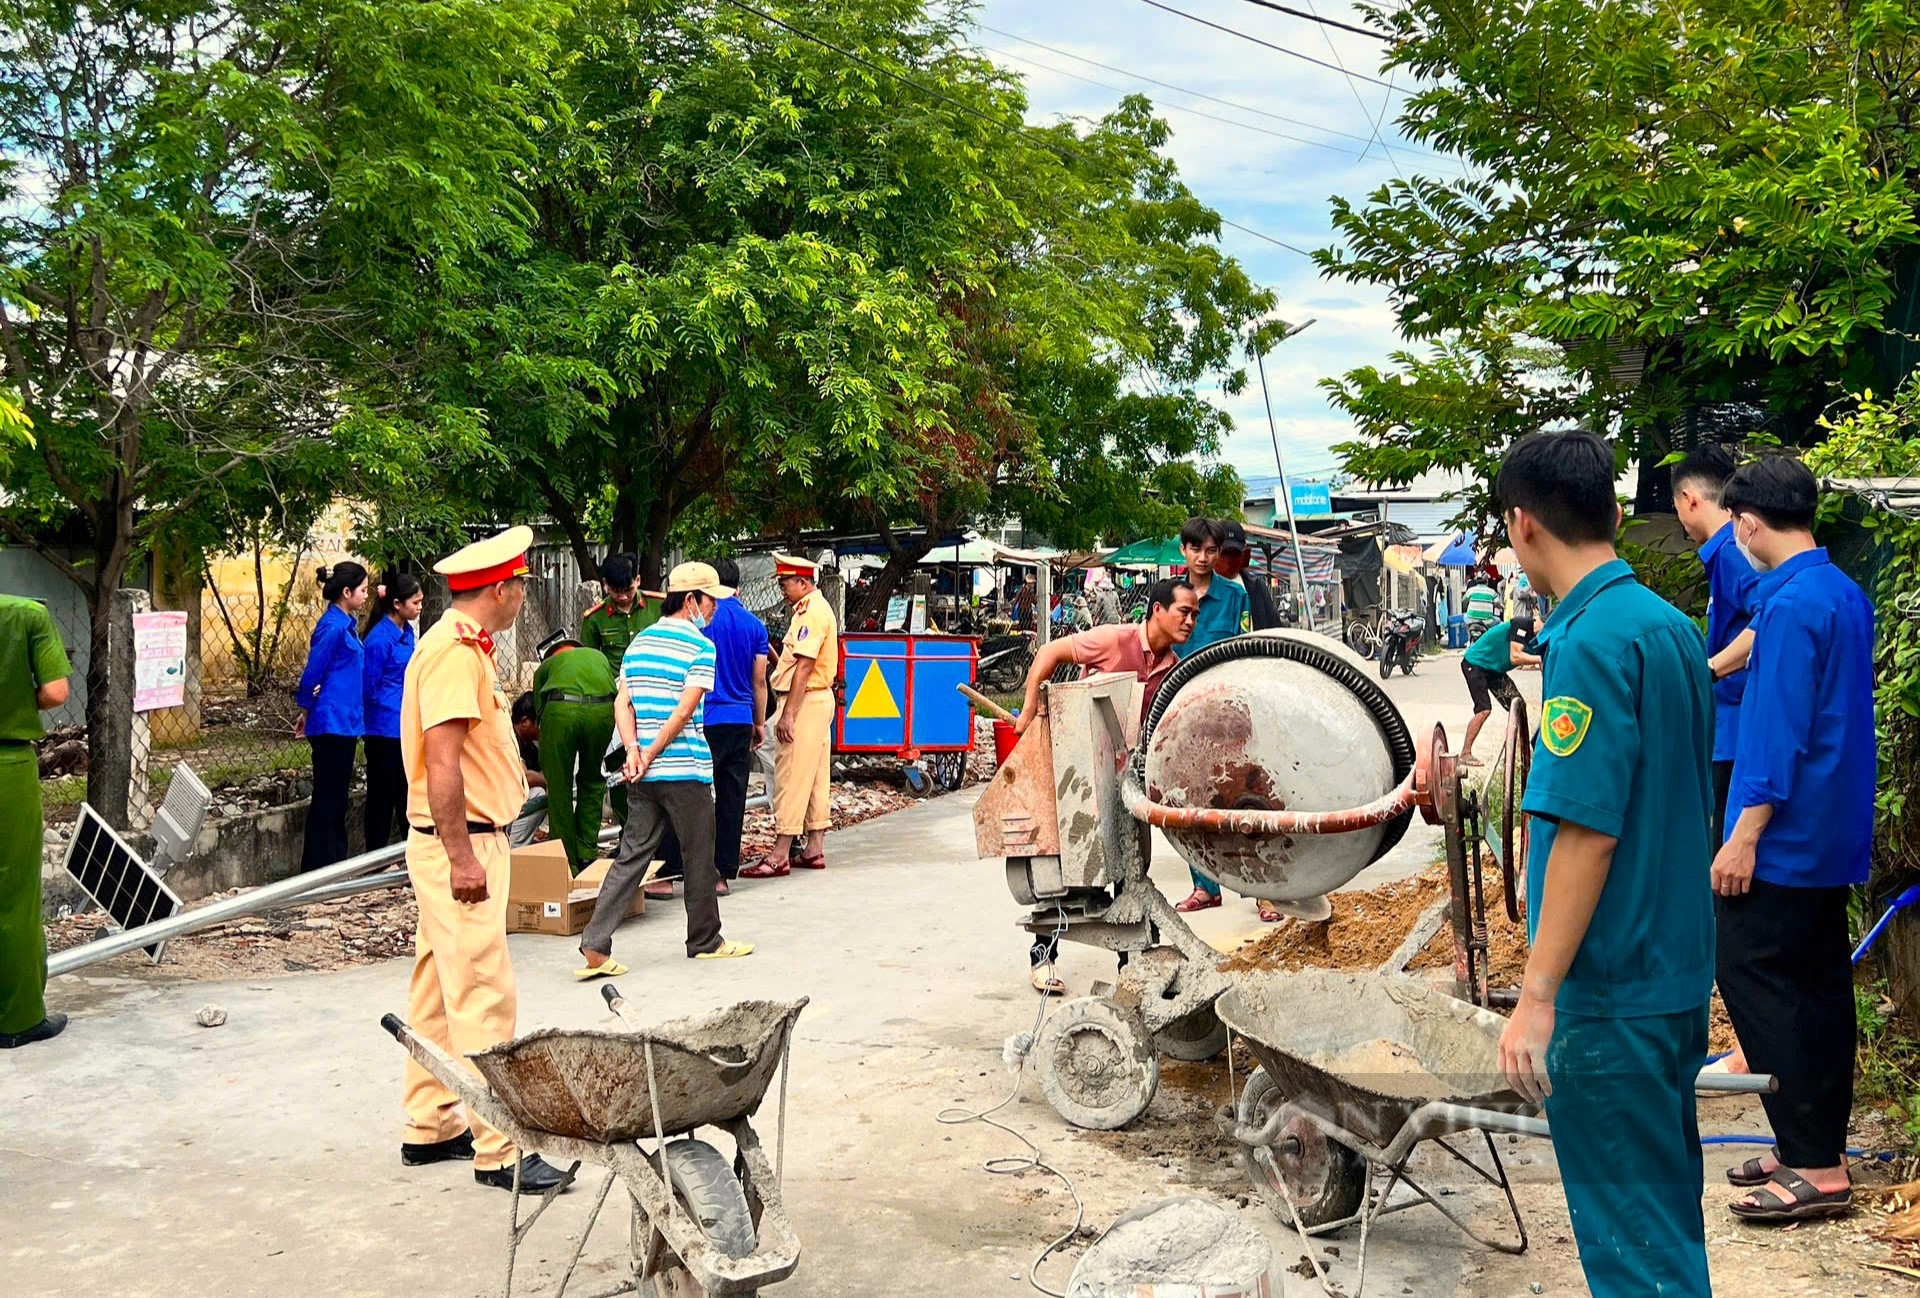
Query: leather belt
[[555, 696], [473, 827]]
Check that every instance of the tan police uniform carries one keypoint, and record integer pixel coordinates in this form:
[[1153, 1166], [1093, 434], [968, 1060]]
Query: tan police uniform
[[462, 995], [802, 768]]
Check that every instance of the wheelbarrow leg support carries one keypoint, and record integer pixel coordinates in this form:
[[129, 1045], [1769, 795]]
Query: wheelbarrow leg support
[[517, 1229]]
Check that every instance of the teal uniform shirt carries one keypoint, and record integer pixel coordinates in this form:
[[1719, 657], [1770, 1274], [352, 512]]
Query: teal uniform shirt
[[1624, 747], [1493, 651], [1224, 613]]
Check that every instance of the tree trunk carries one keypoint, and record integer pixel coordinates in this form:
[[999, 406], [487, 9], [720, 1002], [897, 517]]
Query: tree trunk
[[660, 516], [905, 555]]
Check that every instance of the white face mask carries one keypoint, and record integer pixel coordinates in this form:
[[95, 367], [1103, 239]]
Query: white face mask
[[1757, 565]]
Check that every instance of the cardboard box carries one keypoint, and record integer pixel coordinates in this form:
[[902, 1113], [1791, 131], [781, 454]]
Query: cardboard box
[[542, 897]]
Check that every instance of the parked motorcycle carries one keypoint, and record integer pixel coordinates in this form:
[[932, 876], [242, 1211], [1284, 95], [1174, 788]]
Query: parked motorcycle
[[1400, 634]]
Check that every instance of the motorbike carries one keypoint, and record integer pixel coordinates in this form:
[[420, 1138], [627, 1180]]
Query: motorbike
[[1400, 635]]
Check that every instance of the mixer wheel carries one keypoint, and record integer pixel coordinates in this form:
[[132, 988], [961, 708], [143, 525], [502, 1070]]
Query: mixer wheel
[[1194, 1039], [1096, 1063], [1326, 1181]]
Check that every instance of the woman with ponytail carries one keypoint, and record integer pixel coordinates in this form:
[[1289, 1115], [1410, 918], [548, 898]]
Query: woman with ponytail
[[331, 711], [388, 642]]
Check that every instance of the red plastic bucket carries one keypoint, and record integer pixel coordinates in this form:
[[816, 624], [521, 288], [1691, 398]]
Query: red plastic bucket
[[1003, 741]]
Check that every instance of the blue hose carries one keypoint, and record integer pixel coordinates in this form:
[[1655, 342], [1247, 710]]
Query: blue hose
[[1876, 1155], [1900, 903]]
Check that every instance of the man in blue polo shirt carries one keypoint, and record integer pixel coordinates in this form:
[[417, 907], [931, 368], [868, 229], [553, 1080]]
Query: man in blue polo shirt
[[1698, 482], [1802, 835], [1224, 613], [1611, 1024]]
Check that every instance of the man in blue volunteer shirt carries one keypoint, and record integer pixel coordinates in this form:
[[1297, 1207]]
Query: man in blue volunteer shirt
[[1611, 1025], [1801, 835], [1223, 614], [736, 716], [1698, 483]]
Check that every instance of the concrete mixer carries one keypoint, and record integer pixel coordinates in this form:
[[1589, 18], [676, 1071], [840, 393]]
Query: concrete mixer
[[1274, 763]]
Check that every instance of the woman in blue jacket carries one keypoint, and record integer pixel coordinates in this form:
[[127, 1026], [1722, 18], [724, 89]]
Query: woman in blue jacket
[[330, 711], [388, 645]]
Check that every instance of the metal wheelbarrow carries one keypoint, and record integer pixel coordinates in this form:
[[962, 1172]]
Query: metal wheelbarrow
[[698, 1224]]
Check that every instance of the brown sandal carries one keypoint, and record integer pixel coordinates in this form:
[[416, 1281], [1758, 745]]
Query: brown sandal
[[813, 862], [768, 868]]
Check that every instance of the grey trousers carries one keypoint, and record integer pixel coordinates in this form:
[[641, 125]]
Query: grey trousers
[[653, 805]]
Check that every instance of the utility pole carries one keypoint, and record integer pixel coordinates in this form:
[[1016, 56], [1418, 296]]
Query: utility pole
[[1286, 490]]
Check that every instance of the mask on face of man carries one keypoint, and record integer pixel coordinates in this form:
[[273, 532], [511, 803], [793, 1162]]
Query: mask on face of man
[[1758, 565]]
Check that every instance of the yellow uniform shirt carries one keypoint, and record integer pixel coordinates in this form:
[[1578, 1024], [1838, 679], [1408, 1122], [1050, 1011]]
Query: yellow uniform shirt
[[814, 634], [451, 678]]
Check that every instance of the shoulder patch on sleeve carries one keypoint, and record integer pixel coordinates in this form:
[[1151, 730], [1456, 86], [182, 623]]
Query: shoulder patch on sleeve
[[1563, 724]]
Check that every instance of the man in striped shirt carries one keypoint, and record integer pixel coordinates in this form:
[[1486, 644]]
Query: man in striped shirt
[[666, 671]]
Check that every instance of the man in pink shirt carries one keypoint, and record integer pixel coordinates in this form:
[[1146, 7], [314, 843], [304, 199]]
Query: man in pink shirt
[[1146, 650]]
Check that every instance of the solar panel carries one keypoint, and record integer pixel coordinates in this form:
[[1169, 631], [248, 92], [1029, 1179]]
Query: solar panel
[[115, 877]]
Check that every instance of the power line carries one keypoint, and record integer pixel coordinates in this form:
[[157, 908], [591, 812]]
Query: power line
[[1231, 31], [1197, 94], [1325, 22], [1012, 128]]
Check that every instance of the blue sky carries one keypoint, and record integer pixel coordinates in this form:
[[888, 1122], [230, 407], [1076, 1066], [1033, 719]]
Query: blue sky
[[1275, 185]]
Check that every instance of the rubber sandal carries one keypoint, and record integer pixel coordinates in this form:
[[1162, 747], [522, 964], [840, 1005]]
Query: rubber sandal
[[611, 969], [767, 869], [1748, 1174], [727, 951], [721, 889], [810, 862], [1268, 915], [1807, 1202], [1198, 899], [658, 892], [1042, 983]]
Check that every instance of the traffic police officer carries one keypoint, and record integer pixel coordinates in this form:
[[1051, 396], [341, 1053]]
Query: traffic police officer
[[464, 786], [33, 677], [1611, 1026], [573, 708], [803, 761]]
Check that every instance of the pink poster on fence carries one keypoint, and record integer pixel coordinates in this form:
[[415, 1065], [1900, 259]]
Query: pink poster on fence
[[159, 661]]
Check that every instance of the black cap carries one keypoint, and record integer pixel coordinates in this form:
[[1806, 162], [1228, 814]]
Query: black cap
[[1233, 536]]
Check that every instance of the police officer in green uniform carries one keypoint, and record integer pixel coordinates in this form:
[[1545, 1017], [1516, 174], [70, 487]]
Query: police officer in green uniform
[[33, 677], [573, 706], [1611, 1025], [611, 625]]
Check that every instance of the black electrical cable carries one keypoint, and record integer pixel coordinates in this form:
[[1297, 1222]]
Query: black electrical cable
[[1232, 31], [1289, 648], [1324, 22]]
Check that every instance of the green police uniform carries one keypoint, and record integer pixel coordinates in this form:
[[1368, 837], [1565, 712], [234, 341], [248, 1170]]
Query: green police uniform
[[573, 701], [30, 656], [610, 631], [1625, 748]]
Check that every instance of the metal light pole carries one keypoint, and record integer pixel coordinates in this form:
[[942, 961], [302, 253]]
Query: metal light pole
[[1286, 490]]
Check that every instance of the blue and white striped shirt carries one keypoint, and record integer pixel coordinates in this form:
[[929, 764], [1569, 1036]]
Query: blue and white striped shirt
[[658, 666]]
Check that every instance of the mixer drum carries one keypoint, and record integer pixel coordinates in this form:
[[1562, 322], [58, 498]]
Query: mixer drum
[[1268, 733]]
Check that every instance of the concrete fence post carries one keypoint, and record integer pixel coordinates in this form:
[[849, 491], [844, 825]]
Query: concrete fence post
[[129, 749]]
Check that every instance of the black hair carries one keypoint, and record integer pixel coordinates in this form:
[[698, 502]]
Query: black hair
[[675, 601], [341, 578], [727, 571], [394, 588], [1778, 488], [1565, 482], [523, 708], [1161, 595], [617, 570], [1706, 468], [1197, 531]]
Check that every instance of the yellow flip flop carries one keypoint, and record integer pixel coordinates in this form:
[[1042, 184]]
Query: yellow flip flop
[[611, 969], [727, 951]]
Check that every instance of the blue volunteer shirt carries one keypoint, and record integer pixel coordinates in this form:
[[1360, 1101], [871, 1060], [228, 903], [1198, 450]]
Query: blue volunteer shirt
[[1624, 748], [738, 638], [1807, 747], [1732, 600], [1224, 613], [329, 689], [659, 665], [383, 673]]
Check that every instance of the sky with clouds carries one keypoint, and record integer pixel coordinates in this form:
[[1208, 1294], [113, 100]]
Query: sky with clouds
[[1242, 166]]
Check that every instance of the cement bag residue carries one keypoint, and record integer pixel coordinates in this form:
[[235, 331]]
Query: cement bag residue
[[1178, 1248]]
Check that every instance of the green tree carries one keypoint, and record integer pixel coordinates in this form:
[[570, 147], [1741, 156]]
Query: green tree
[[222, 225], [1704, 206]]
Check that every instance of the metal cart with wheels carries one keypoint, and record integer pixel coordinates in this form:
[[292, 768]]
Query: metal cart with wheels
[[901, 702]]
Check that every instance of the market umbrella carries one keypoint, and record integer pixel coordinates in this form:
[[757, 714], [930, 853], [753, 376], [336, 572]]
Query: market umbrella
[[1460, 552], [1148, 553]]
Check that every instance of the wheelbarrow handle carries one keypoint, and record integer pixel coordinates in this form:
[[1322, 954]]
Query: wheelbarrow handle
[[394, 1025], [611, 995]]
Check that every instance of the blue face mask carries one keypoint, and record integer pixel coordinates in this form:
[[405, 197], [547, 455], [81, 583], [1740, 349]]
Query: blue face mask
[[696, 617]]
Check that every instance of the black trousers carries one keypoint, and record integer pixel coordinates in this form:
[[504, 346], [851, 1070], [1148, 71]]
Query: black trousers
[[732, 747], [326, 840], [1722, 785], [386, 791], [1786, 974]]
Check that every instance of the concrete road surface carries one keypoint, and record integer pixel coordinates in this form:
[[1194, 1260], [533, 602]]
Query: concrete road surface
[[141, 1154]]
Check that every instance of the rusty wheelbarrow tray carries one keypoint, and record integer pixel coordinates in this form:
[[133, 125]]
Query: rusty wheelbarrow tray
[[587, 1096]]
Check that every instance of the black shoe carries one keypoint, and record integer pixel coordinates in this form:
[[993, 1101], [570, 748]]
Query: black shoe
[[537, 1176], [45, 1030], [453, 1148]]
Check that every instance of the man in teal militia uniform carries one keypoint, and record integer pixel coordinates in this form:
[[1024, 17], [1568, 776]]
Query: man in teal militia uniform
[[33, 676], [1611, 1026]]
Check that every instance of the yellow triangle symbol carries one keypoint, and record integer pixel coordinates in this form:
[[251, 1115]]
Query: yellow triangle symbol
[[873, 700]]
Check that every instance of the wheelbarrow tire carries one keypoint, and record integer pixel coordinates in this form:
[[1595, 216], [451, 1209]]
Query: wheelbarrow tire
[[704, 1182], [1327, 1181], [1096, 1063]]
